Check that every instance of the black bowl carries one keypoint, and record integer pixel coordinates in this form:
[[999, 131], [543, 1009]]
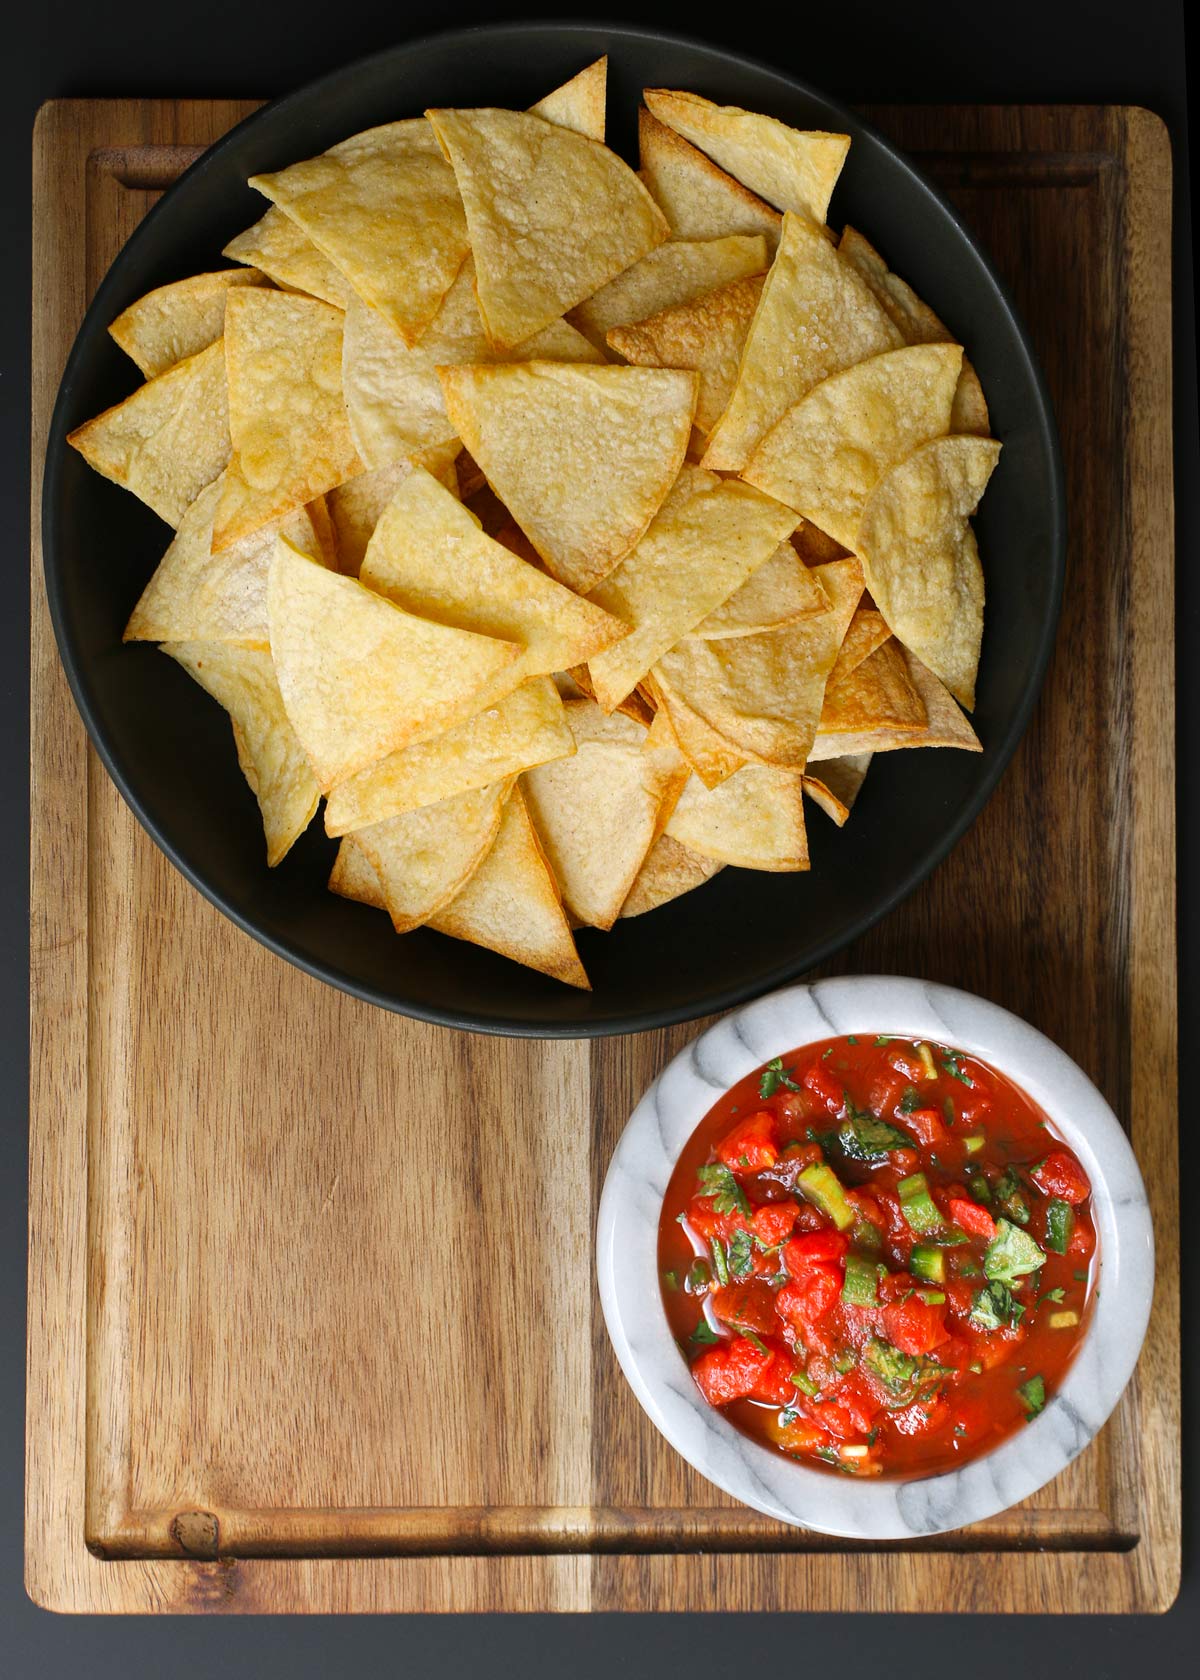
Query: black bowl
[[167, 745]]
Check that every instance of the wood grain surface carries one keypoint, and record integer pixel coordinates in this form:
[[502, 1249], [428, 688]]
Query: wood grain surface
[[288, 1349]]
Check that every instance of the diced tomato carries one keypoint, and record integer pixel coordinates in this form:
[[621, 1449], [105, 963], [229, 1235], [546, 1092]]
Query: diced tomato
[[992, 1348], [895, 1286], [747, 1306], [752, 1145], [729, 1371], [1061, 1175], [886, 1092], [809, 1298], [811, 1219], [908, 1063], [956, 1352], [888, 1204], [921, 1418], [905, 1161], [773, 1222], [866, 1207], [834, 1419], [775, 1385], [914, 1326], [708, 1223], [970, 1217], [960, 1294], [814, 1247], [856, 1399], [825, 1086], [926, 1125], [1082, 1240], [973, 1102]]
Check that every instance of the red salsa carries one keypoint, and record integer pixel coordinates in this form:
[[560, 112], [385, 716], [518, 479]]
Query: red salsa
[[876, 1255]]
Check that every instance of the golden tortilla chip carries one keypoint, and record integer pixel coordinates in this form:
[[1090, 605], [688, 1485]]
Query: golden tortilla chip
[[384, 208], [356, 505], [945, 726], [177, 321], [703, 543], [393, 395], [868, 631], [512, 903], [424, 857], [598, 813], [779, 592], [581, 456], [829, 451], [198, 596], [525, 728], [814, 547], [676, 724], [553, 216], [877, 693], [836, 787], [707, 333], [789, 167], [920, 560], [581, 688], [322, 523], [669, 871], [281, 248], [579, 103], [360, 677], [699, 200], [919, 325], [243, 681], [355, 877], [754, 820], [816, 316], [675, 273], [291, 442], [169, 439]]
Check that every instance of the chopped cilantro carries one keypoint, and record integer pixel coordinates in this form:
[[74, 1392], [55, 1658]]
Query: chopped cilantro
[[909, 1100], [1033, 1396], [864, 1138], [1080, 1277], [881, 1041], [699, 1276], [872, 1437], [755, 1342], [825, 1054], [952, 1062], [788, 1416], [1011, 1254], [717, 1181], [1055, 1295], [850, 1039], [741, 1254], [773, 1076], [804, 1383], [720, 1261], [671, 1279], [994, 1307], [703, 1332], [960, 1429]]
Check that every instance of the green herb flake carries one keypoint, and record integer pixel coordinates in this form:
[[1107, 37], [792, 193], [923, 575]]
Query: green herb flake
[[1080, 1277], [699, 1276], [1056, 1295], [952, 1063], [851, 1039], [671, 1279], [720, 1261], [704, 1333], [960, 1429], [864, 1138], [741, 1254], [717, 1181], [872, 1437], [788, 1416], [1011, 1254], [755, 1342], [825, 1054], [909, 1100], [1033, 1397], [804, 1383], [773, 1076], [994, 1307]]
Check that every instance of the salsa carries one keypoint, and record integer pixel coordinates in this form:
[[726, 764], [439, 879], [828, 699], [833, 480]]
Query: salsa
[[876, 1255]]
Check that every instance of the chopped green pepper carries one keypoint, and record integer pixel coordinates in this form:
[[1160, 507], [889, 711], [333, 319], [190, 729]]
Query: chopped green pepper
[[1060, 1224], [820, 1185], [859, 1285], [917, 1205], [1010, 1198], [928, 1263], [973, 1145]]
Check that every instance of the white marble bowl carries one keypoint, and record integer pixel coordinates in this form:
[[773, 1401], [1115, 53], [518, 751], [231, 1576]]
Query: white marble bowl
[[627, 1258]]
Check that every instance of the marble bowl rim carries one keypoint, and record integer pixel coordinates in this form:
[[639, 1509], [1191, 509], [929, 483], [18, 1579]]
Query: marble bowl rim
[[627, 1270]]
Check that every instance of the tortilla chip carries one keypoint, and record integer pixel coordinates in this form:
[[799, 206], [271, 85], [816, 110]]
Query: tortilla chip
[[360, 677], [814, 547], [816, 316], [579, 103], [243, 681], [877, 693], [791, 168], [430, 557], [707, 752], [633, 706], [553, 216], [829, 451], [355, 877], [678, 272], [512, 903], [919, 325], [525, 728], [669, 871], [836, 788], [281, 248], [581, 456], [355, 506], [198, 596], [778, 592], [703, 543], [598, 813], [169, 439], [177, 321], [920, 560], [754, 820], [699, 200], [322, 523], [393, 396], [945, 726], [424, 857], [868, 631], [707, 333], [283, 356], [384, 208]]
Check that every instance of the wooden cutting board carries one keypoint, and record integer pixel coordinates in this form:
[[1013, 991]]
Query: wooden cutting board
[[312, 1323]]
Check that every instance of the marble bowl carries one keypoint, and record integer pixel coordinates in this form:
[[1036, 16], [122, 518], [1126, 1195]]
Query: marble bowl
[[627, 1263]]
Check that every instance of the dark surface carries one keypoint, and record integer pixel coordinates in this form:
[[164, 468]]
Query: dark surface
[[168, 745], [918, 51]]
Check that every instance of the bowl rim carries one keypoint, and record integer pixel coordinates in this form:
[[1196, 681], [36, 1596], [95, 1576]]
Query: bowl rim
[[290, 947], [630, 1289]]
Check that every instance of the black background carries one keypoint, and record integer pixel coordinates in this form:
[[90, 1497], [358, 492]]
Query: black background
[[858, 50]]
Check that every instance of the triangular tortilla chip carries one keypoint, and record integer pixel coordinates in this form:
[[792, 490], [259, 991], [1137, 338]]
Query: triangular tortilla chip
[[676, 273], [430, 557], [579, 103], [355, 506], [814, 547], [837, 785], [512, 903], [754, 820], [177, 321], [945, 727], [525, 728], [393, 396], [361, 678], [354, 876], [553, 216], [877, 694], [703, 543], [322, 523], [169, 439], [282, 249], [581, 456], [791, 168], [868, 631], [669, 871], [699, 200], [920, 560], [778, 592], [283, 356], [676, 724], [424, 857], [829, 451], [243, 681], [919, 325], [198, 596], [707, 334], [816, 315], [633, 706], [598, 813], [384, 208]]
